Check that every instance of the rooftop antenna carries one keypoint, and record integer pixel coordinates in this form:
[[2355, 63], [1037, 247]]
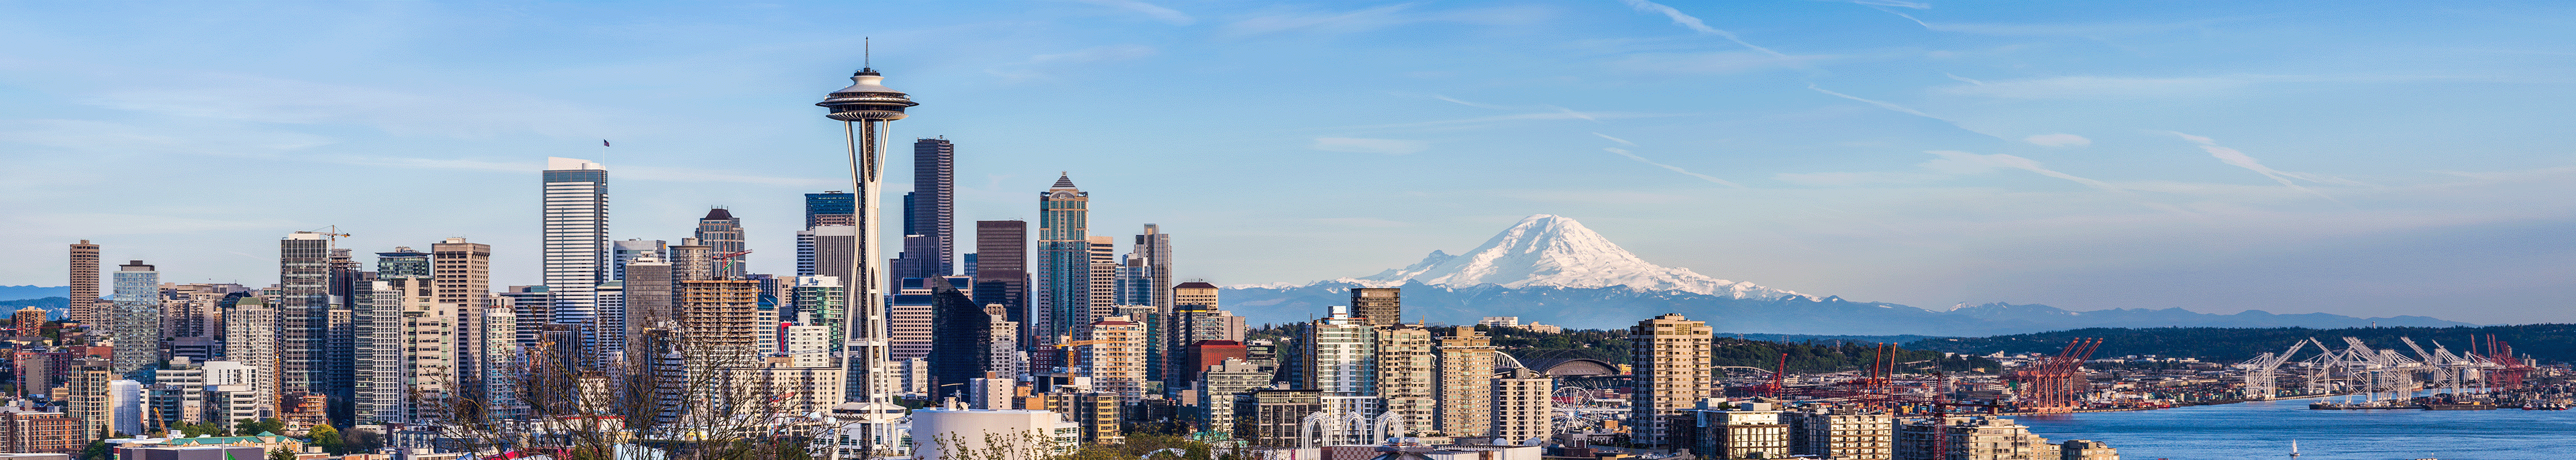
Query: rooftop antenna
[[867, 54]]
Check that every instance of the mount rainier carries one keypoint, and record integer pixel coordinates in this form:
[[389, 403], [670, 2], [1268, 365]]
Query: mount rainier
[[1552, 269]]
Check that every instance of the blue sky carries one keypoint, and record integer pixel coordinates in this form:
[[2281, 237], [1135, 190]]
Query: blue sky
[[2355, 157]]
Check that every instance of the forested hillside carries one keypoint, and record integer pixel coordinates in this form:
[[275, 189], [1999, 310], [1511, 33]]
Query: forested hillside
[[1612, 346]]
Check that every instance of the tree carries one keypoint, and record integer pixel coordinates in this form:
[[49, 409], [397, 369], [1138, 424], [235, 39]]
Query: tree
[[201, 428], [249, 427], [328, 438], [280, 454]]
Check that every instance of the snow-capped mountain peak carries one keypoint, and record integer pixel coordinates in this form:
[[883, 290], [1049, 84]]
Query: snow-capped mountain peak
[[1550, 250]]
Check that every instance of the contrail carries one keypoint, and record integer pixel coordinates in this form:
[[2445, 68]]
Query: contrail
[[1632, 156]]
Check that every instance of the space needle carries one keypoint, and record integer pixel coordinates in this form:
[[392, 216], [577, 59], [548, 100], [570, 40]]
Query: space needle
[[865, 109]]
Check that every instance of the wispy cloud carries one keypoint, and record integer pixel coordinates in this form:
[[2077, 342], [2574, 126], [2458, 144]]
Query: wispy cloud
[[1678, 169], [1031, 68], [1362, 145], [463, 114], [1614, 139], [1717, 63], [1560, 115], [1904, 110], [1166, 15], [647, 173], [2099, 87], [1693, 23], [2058, 140], [2239, 159], [1470, 104], [1957, 162]]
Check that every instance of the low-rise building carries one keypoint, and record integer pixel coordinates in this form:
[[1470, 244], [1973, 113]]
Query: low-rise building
[[1822, 433], [2079, 449], [1745, 430], [1970, 438]]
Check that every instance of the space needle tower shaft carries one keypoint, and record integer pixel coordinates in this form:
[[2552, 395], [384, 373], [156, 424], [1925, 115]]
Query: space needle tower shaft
[[865, 109]]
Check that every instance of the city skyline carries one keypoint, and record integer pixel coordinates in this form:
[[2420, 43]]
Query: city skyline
[[2020, 172]]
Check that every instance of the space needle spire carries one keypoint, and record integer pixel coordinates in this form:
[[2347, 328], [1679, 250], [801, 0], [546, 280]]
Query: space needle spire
[[865, 109]]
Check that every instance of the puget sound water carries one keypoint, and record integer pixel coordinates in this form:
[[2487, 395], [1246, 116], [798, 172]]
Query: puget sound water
[[2263, 430]]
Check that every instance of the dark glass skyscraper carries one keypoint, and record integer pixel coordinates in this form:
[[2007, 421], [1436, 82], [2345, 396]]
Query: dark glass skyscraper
[[830, 208], [931, 211], [1002, 267]]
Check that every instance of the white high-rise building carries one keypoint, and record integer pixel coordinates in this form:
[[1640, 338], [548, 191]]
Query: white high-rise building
[[125, 400], [576, 247]]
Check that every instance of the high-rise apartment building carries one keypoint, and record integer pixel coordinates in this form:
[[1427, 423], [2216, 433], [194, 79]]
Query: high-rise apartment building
[[303, 313], [1113, 356], [820, 301], [135, 324], [1827, 434], [1217, 387], [1670, 356], [84, 283], [575, 252], [462, 277], [424, 351], [1154, 249], [88, 388], [1063, 290], [1521, 404], [721, 232], [1338, 355], [692, 260], [1104, 276], [1382, 306], [1466, 358], [1407, 379], [721, 317], [250, 327]]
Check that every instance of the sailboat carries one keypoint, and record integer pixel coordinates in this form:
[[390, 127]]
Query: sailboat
[[2294, 448]]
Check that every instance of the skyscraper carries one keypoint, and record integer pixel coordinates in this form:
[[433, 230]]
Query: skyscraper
[[649, 290], [84, 284], [865, 108], [463, 278], [136, 327], [1063, 291], [1155, 248], [1382, 306], [627, 250], [1104, 277], [929, 245], [722, 233], [1407, 378], [1465, 394], [832, 207], [303, 313], [1671, 355], [1002, 266], [250, 327], [576, 251], [410, 302]]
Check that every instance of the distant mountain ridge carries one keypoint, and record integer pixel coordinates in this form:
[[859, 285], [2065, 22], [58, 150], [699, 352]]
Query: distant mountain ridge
[[34, 292], [1551, 269]]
